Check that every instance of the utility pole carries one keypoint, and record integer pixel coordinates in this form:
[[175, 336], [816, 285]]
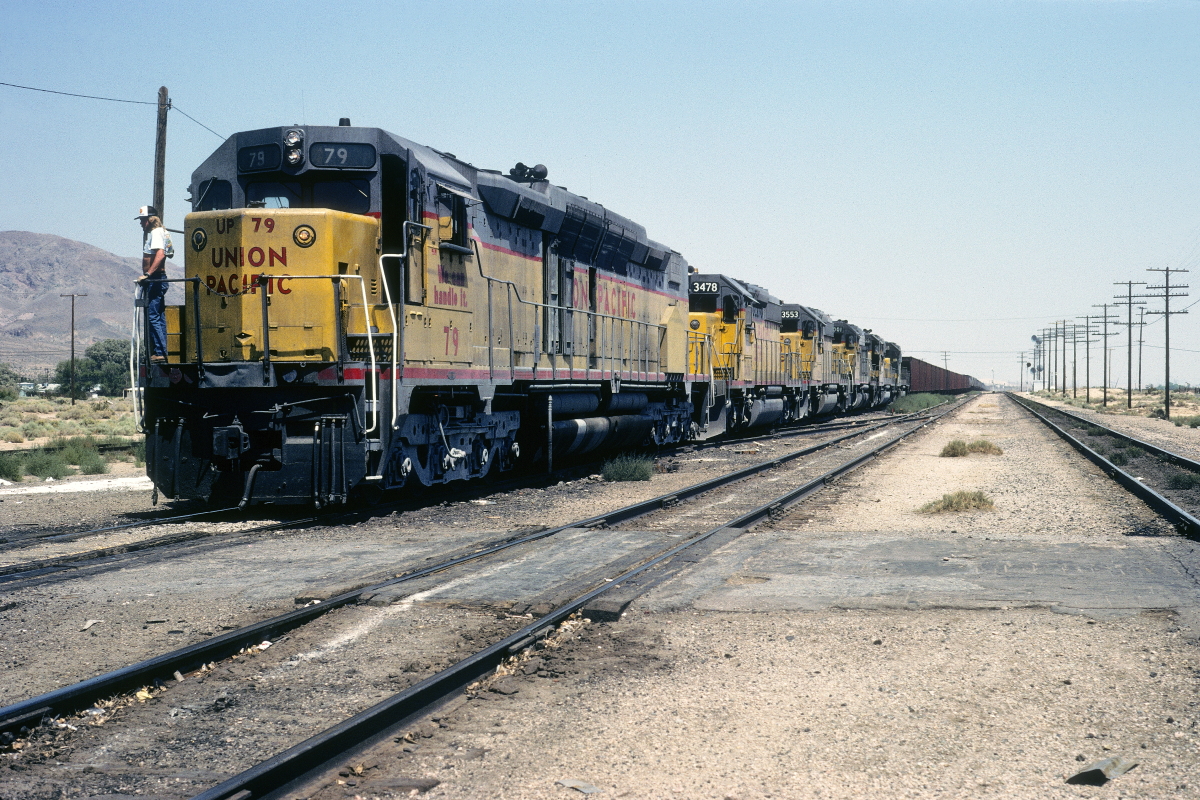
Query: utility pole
[[160, 152], [1063, 361], [1129, 303], [1087, 357], [1074, 361], [1021, 365], [72, 296], [1104, 344], [1166, 296], [1141, 333]]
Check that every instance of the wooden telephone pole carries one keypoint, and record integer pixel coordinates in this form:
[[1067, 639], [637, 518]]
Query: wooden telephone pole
[[72, 296], [1129, 301], [1166, 289], [160, 152]]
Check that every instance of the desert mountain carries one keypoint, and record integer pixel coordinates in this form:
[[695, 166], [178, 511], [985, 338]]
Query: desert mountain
[[35, 323]]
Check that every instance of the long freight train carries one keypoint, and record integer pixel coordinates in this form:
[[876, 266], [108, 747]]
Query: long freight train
[[362, 312], [921, 376]]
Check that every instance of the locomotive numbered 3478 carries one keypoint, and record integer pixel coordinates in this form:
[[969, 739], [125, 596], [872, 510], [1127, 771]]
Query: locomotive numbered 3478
[[362, 313]]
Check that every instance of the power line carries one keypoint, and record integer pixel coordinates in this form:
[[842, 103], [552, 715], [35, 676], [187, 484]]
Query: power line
[[114, 100], [88, 96], [198, 122]]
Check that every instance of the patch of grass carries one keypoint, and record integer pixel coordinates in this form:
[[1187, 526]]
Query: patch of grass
[[1183, 480], [985, 447], [1118, 458], [916, 402], [46, 464], [1133, 451], [13, 437], [11, 468], [139, 452], [959, 501], [621, 468], [1190, 422], [955, 449]]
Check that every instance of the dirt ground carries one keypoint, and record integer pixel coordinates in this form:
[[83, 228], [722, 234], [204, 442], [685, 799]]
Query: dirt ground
[[854, 647], [861, 648]]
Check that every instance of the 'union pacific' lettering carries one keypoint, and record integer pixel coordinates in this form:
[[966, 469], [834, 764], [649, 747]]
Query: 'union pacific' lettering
[[228, 258], [248, 285]]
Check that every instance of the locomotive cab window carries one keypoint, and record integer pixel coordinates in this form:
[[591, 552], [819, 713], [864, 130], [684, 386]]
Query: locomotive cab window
[[452, 219], [702, 303], [214, 195], [352, 196], [729, 309]]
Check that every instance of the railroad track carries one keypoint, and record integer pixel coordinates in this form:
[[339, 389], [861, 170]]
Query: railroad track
[[330, 748], [1168, 482], [87, 562]]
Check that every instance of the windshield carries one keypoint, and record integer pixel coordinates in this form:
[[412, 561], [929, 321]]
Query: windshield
[[353, 196]]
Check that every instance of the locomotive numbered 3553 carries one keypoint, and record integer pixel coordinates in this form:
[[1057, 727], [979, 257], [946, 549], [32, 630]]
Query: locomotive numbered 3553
[[362, 312]]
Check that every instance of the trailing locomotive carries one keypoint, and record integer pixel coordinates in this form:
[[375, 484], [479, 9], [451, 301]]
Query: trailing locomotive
[[363, 312]]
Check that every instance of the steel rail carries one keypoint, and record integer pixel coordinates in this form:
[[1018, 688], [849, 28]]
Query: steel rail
[[46, 566], [1165, 455], [276, 777], [79, 696], [71, 536], [1182, 519]]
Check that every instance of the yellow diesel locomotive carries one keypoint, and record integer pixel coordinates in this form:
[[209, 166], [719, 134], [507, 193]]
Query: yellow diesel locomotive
[[362, 312]]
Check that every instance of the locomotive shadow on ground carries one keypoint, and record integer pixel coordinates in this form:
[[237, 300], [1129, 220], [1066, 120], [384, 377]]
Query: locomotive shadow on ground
[[778, 570]]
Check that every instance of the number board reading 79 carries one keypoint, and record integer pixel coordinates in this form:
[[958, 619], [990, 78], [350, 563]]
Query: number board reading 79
[[336, 154], [704, 287], [261, 157]]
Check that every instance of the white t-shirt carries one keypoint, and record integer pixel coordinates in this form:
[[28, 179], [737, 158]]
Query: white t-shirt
[[154, 240]]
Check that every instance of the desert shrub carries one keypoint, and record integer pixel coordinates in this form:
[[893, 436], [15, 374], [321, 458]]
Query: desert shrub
[[955, 449], [11, 468], [35, 429], [985, 447], [1183, 480], [621, 468], [1118, 458], [75, 449], [1190, 422], [92, 463], [1133, 451], [959, 501], [13, 437], [916, 402], [139, 451], [46, 464]]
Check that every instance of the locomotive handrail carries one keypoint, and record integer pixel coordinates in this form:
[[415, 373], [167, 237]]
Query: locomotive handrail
[[517, 291], [396, 346]]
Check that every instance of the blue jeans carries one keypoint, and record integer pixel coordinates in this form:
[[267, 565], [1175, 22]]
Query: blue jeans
[[156, 303]]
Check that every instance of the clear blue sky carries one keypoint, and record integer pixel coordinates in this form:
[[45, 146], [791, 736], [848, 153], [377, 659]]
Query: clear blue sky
[[954, 175]]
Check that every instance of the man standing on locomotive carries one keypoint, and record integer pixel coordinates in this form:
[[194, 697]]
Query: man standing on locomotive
[[153, 280]]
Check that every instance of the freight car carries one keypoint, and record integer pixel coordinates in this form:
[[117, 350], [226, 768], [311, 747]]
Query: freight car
[[362, 312], [921, 376]]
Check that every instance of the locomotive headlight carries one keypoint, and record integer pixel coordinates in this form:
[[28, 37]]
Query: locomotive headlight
[[695, 324], [293, 138], [295, 156]]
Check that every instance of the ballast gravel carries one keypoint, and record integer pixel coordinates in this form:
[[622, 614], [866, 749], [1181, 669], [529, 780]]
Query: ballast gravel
[[699, 690]]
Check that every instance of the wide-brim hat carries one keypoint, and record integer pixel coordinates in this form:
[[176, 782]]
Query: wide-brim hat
[[146, 211]]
